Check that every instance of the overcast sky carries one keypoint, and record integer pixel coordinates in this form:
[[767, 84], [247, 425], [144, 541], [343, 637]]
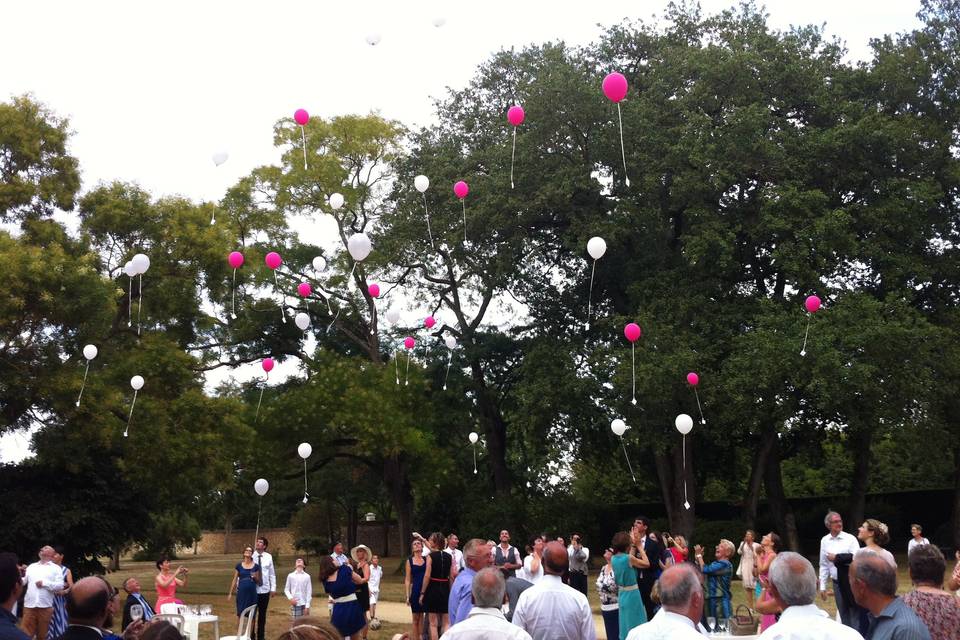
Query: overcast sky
[[153, 89]]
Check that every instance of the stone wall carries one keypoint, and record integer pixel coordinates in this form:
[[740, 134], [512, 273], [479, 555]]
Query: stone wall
[[382, 540]]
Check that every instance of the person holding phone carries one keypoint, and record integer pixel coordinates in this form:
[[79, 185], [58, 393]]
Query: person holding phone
[[167, 582], [246, 579]]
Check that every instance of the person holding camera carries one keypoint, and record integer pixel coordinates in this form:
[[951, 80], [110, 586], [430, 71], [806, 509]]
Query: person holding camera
[[579, 556]]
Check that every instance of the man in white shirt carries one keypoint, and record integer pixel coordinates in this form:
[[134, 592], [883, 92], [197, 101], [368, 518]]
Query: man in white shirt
[[338, 555], [452, 542], [299, 590], [268, 585], [916, 538], [507, 556], [835, 542], [681, 605], [550, 610], [579, 558], [792, 584], [485, 620], [43, 579]]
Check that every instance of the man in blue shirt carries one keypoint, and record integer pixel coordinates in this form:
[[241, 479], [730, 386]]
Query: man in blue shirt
[[718, 575], [874, 584], [10, 589], [476, 555]]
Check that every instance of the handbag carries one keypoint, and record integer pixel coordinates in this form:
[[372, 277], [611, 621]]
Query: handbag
[[742, 624]]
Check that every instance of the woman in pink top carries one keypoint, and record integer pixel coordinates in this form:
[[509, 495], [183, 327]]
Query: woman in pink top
[[167, 582]]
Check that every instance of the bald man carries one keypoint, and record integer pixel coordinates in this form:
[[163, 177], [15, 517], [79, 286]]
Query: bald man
[[681, 600], [551, 610], [88, 608], [874, 585]]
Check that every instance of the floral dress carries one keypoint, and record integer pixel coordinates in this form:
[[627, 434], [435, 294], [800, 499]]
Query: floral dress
[[939, 611]]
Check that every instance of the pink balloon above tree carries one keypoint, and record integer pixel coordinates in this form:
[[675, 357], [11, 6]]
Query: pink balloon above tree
[[304, 289], [693, 379], [632, 333], [273, 261], [409, 342], [812, 305], [301, 117], [460, 189], [236, 261], [429, 322], [515, 117], [267, 364], [615, 88]]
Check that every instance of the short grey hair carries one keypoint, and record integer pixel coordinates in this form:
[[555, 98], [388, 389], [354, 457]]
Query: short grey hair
[[876, 573], [829, 516], [794, 578], [676, 591], [488, 588]]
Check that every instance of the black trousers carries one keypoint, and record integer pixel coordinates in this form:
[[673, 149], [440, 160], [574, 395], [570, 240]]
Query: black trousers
[[579, 582], [263, 600]]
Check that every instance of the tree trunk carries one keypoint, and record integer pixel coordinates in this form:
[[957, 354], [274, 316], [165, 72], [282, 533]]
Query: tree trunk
[[115, 559], [671, 474], [227, 530], [401, 494], [783, 516], [956, 497], [768, 437], [860, 441], [495, 428], [352, 518]]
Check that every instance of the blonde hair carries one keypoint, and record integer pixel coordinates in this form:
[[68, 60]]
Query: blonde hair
[[881, 534], [729, 546], [310, 628]]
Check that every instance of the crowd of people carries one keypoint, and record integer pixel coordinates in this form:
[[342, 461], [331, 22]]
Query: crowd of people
[[650, 586]]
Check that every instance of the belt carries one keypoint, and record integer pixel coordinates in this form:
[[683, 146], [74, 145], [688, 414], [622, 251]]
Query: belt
[[342, 599], [439, 579], [629, 587]]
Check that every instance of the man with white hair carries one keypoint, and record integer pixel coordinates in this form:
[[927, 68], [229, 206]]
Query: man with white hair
[[837, 541], [793, 586], [681, 604], [485, 620]]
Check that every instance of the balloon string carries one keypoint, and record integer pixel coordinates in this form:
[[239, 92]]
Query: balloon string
[[474, 458], [257, 417], [332, 322], [304, 478], [283, 302], [233, 296], [427, 214], [633, 359], [803, 349], [590, 296], [352, 270], [259, 509], [373, 317], [303, 136], [139, 303], [130, 417], [447, 375], [396, 361], [85, 372], [627, 458], [130, 304], [512, 155], [623, 152], [686, 502], [699, 408], [213, 216], [406, 380], [464, 203]]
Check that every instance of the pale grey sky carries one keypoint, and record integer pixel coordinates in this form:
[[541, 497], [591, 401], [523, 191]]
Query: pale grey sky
[[153, 89]]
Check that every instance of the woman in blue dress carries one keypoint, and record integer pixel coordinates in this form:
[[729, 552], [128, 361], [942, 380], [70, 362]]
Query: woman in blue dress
[[246, 578], [339, 581], [416, 568], [625, 565]]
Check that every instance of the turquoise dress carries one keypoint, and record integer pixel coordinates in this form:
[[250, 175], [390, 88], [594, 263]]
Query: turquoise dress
[[632, 613]]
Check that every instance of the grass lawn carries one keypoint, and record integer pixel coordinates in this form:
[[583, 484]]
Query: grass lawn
[[210, 577]]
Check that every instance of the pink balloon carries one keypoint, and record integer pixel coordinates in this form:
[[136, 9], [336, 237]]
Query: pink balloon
[[374, 290], [515, 115], [408, 342], [812, 303], [632, 332], [461, 189], [301, 116], [273, 260], [615, 87], [429, 322], [693, 379], [267, 364], [304, 289], [235, 259]]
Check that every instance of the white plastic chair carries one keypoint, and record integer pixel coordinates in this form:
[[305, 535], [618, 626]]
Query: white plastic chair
[[170, 607], [173, 618], [245, 626]]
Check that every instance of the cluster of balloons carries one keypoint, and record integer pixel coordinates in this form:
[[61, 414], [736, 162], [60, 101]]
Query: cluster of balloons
[[136, 266]]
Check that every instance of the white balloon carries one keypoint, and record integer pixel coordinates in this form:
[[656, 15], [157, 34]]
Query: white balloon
[[684, 423], [393, 316], [141, 263], [619, 427], [336, 201], [450, 341], [90, 352], [129, 269], [596, 247], [261, 486], [304, 450], [302, 321], [473, 437], [359, 246], [422, 183], [220, 157], [373, 39], [319, 264], [439, 21], [136, 382]]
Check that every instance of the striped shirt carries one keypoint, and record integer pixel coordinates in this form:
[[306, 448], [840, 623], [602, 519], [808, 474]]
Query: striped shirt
[[897, 621]]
